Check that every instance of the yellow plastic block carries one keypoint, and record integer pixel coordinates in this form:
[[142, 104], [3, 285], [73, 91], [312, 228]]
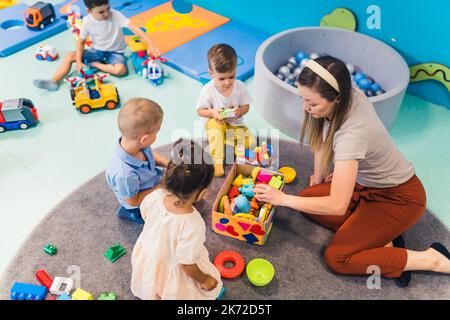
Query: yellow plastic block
[[238, 181], [80, 294]]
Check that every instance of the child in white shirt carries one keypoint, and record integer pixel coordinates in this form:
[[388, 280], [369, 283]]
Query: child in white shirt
[[224, 92], [104, 26]]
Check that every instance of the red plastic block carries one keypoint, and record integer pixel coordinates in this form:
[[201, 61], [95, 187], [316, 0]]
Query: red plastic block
[[44, 278]]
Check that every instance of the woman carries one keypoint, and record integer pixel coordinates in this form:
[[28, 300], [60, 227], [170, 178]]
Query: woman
[[373, 195]]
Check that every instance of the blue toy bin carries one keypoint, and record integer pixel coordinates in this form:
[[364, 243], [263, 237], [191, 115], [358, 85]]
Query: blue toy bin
[[281, 104]]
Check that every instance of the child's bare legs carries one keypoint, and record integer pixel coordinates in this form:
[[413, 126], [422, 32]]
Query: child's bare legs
[[117, 69], [62, 71]]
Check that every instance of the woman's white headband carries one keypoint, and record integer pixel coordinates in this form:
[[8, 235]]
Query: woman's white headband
[[323, 73]]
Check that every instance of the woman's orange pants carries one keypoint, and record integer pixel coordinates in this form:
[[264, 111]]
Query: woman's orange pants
[[374, 218]]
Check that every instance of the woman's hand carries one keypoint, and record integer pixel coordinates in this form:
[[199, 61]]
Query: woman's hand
[[265, 193], [209, 284]]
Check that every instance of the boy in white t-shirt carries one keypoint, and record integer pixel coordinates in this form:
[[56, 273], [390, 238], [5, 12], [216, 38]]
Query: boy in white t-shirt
[[104, 26], [224, 92]]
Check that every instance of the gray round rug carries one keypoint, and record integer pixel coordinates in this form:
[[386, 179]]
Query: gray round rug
[[84, 225]]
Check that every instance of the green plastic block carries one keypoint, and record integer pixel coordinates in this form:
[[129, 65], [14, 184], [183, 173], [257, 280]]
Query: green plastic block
[[107, 296], [115, 252], [49, 249]]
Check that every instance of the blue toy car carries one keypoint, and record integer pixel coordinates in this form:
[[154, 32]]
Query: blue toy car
[[17, 114]]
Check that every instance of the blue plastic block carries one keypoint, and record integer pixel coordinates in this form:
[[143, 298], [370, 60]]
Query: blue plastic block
[[20, 37], [191, 58], [250, 237], [64, 296], [26, 291]]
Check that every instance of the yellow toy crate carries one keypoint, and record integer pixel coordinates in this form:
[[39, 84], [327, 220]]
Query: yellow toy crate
[[254, 232]]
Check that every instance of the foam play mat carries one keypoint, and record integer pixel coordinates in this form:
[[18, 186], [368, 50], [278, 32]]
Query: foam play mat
[[84, 226], [191, 58], [15, 36], [169, 29]]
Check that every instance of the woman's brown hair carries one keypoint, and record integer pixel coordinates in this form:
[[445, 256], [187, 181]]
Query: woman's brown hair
[[313, 128]]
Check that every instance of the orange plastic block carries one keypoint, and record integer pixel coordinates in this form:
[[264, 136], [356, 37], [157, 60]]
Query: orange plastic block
[[169, 29]]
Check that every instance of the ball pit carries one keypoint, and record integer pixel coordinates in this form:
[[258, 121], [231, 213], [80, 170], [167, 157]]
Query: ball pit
[[279, 102]]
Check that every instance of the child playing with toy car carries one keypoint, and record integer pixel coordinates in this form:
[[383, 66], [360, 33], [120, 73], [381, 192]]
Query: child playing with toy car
[[170, 260], [219, 95], [104, 26], [135, 169]]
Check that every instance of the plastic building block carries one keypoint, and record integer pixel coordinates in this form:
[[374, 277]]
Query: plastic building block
[[64, 296], [44, 278], [276, 182], [227, 113], [80, 294], [115, 252], [49, 249], [107, 296], [58, 284], [255, 173], [233, 192], [238, 181], [26, 291], [264, 177]]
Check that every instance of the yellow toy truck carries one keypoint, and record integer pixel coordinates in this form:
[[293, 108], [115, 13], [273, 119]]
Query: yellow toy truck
[[91, 93]]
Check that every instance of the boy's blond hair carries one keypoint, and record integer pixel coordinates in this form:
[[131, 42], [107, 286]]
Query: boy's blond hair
[[222, 58], [139, 116]]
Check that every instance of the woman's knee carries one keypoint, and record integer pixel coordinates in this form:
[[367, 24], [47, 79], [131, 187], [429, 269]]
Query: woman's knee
[[318, 190], [335, 260]]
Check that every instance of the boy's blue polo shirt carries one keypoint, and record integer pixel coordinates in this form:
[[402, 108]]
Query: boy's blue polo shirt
[[127, 175]]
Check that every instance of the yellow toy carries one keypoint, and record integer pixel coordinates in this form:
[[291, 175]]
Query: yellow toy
[[255, 173], [276, 182], [86, 97], [7, 3], [80, 294], [238, 181], [246, 216], [289, 174]]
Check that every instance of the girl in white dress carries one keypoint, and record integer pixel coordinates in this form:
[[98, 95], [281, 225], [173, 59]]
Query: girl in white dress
[[170, 260]]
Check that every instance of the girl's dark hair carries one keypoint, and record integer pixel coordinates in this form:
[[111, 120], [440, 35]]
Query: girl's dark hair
[[90, 4], [190, 170], [313, 128]]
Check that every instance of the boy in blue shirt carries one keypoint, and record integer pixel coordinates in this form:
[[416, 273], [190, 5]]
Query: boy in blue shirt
[[133, 171], [104, 26]]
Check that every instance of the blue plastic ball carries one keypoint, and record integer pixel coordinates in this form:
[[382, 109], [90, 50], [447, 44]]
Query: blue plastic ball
[[375, 87], [300, 56], [364, 84], [359, 76]]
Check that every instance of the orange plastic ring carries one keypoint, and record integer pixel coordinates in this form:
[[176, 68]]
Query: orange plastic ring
[[229, 256]]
